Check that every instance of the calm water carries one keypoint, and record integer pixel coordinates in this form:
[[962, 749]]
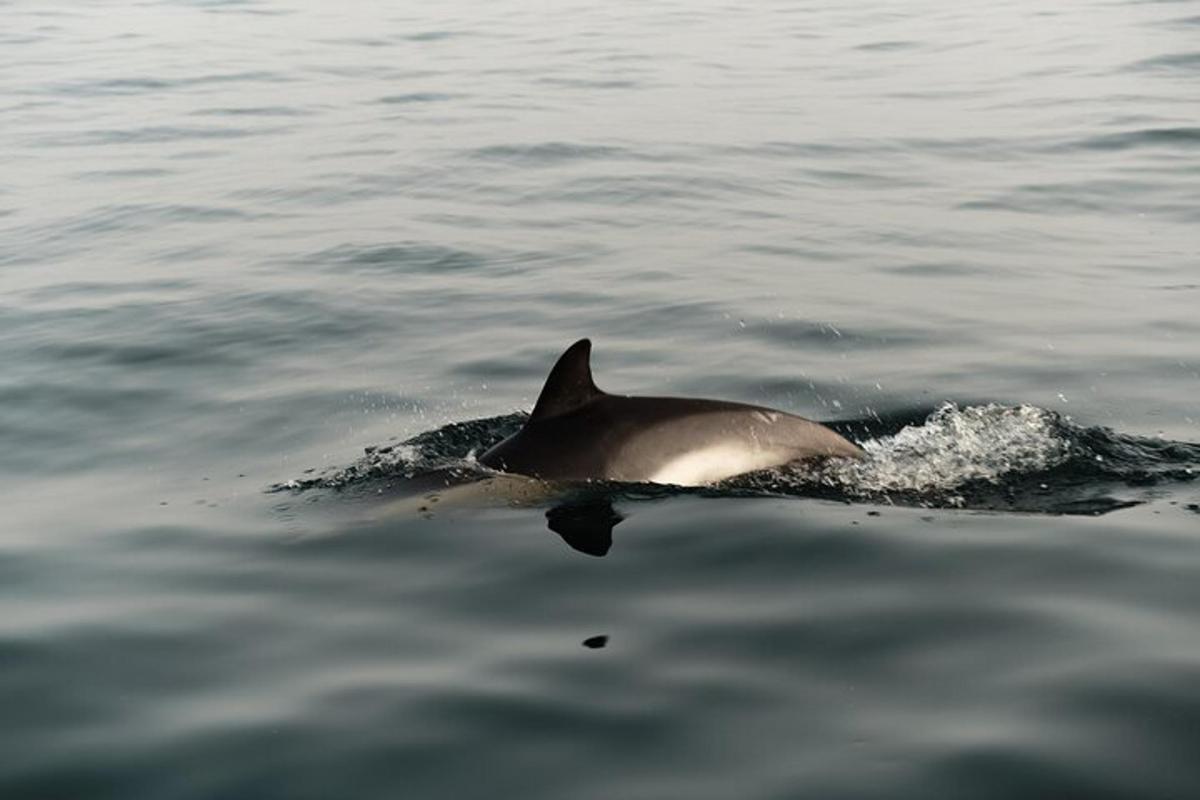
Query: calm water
[[242, 241]]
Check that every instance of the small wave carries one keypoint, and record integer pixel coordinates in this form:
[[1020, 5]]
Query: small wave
[[548, 153], [955, 446], [416, 98], [403, 257], [154, 134], [1148, 137], [1173, 62], [142, 85]]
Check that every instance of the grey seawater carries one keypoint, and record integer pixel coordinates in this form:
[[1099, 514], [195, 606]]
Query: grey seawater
[[243, 240]]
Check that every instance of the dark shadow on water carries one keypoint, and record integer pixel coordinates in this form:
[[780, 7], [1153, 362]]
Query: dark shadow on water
[[586, 525]]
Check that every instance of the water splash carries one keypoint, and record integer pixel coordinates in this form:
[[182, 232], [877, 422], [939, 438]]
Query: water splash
[[1021, 458], [994, 457], [451, 447], [953, 447]]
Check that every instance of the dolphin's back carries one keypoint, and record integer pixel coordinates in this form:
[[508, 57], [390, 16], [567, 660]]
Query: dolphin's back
[[677, 440], [578, 432]]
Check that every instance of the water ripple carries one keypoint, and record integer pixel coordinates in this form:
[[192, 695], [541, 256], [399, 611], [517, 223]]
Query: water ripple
[[546, 154], [411, 98], [155, 134], [146, 85], [411, 257], [1183, 138], [1168, 64]]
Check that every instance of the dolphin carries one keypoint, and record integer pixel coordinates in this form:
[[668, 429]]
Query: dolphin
[[578, 432]]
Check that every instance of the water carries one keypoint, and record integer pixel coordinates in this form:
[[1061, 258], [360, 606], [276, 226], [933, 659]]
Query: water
[[242, 241]]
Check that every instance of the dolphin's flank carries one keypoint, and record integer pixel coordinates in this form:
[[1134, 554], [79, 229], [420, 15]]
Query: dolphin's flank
[[578, 432]]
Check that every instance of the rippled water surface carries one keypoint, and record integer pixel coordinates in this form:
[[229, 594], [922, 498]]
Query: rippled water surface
[[241, 241]]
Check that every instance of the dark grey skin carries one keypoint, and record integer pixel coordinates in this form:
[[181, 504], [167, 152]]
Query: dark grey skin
[[578, 432]]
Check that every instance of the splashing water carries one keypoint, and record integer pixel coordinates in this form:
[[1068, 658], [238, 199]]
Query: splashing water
[[987, 457], [953, 447], [451, 447]]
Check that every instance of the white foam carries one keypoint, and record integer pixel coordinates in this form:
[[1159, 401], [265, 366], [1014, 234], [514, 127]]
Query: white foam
[[954, 446]]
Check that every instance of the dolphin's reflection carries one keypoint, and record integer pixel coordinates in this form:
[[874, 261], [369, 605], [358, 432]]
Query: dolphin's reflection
[[585, 524], [584, 518]]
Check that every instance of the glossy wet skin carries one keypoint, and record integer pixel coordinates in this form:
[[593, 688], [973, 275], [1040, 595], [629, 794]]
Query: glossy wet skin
[[578, 432]]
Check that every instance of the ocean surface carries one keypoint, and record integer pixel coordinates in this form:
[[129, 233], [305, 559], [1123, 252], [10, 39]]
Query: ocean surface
[[273, 273]]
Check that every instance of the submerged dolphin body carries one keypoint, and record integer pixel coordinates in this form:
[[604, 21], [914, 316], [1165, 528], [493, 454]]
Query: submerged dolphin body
[[577, 432]]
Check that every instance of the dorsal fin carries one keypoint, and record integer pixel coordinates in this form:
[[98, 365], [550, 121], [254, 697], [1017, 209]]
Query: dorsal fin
[[569, 385]]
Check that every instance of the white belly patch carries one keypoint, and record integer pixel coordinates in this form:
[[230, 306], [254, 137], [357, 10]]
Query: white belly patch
[[716, 463]]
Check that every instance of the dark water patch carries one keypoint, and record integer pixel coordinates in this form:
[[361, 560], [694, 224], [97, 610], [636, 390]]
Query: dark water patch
[[137, 329], [1177, 326], [803, 150], [973, 148], [699, 315], [157, 134], [355, 153], [872, 180], [792, 251], [494, 369], [332, 193], [131, 173], [82, 398], [930, 270], [360, 41], [195, 155], [1179, 138], [1157, 690], [281, 320], [15, 39], [1002, 772], [143, 217], [887, 46], [1173, 63], [417, 98], [549, 153], [56, 427], [432, 36], [252, 111], [592, 83], [46, 242], [645, 189], [192, 252], [253, 7], [128, 86], [26, 105], [88, 290], [137, 355], [824, 336], [399, 258], [1109, 196]]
